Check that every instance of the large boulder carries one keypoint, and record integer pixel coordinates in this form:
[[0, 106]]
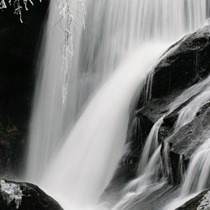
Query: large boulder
[[184, 142], [184, 64], [25, 196]]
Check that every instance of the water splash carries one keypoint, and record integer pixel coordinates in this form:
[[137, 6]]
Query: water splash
[[91, 154], [196, 96]]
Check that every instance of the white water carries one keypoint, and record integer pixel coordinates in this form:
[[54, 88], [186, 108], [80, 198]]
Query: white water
[[146, 182], [188, 113], [198, 173], [95, 133], [94, 146], [119, 26], [196, 178], [151, 144]]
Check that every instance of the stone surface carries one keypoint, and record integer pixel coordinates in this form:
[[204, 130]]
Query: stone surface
[[185, 63], [186, 141], [25, 196], [199, 202]]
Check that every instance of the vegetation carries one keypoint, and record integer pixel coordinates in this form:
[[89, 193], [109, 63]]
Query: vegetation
[[18, 6]]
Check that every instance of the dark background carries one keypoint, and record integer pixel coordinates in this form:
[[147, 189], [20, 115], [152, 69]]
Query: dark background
[[19, 44], [19, 47]]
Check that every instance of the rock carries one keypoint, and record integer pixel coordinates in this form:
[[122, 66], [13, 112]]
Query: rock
[[192, 135], [152, 199], [184, 142], [199, 202], [25, 196], [184, 64]]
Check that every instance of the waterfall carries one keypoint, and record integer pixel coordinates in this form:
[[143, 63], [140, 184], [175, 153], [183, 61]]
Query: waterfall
[[75, 147], [197, 177], [90, 156], [151, 168], [151, 144]]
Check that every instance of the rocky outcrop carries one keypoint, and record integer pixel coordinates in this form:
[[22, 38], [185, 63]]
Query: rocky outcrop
[[183, 65], [184, 142], [25, 196], [199, 202]]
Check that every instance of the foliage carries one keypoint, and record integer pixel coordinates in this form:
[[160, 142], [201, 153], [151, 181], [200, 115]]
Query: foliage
[[18, 6], [11, 126]]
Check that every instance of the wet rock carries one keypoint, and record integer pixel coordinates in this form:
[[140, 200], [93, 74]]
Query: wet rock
[[145, 118], [184, 64], [25, 196], [152, 199], [169, 121], [199, 202], [187, 140], [192, 135]]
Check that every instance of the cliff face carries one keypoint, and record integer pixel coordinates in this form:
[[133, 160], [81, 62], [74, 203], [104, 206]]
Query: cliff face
[[185, 67]]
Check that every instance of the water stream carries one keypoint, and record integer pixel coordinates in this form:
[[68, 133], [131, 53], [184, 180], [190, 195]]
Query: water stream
[[152, 172], [75, 147]]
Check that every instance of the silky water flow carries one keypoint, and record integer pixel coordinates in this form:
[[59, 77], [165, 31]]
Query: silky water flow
[[76, 144]]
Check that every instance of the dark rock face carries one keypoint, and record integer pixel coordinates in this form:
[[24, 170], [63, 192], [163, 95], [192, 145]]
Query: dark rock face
[[19, 44], [25, 196], [184, 142], [185, 63], [199, 202]]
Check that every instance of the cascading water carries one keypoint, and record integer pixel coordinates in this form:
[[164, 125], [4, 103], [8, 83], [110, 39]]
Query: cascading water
[[90, 163], [95, 122], [149, 167], [196, 178]]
